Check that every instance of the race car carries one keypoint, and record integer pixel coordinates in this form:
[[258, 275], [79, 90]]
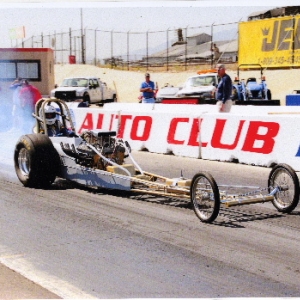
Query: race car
[[252, 88], [100, 159]]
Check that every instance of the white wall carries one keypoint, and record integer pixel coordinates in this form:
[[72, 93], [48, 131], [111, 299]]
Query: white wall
[[250, 134]]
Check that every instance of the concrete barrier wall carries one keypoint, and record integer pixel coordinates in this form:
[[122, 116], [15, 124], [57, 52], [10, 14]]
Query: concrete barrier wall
[[252, 135]]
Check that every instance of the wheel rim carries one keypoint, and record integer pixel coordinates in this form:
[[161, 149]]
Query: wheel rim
[[203, 198], [24, 161], [284, 197]]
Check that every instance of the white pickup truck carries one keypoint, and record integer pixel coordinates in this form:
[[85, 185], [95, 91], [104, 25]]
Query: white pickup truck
[[89, 89]]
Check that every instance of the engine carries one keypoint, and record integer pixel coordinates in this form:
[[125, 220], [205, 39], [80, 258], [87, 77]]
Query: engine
[[104, 143]]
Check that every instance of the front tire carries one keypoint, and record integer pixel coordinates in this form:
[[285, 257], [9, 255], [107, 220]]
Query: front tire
[[36, 161], [284, 177], [205, 197]]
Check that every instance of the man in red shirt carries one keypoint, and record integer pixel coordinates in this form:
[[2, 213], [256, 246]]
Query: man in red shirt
[[29, 95]]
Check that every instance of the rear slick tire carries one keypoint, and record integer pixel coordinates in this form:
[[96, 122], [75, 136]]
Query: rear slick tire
[[36, 161]]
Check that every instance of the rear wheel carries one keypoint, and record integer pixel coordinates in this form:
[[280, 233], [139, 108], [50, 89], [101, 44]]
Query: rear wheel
[[86, 98], [235, 95], [269, 95], [205, 197], [36, 161], [286, 180]]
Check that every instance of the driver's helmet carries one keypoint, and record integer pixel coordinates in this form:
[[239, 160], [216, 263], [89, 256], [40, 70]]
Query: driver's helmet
[[50, 114]]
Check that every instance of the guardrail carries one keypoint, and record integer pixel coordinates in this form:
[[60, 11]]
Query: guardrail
[[256, 135]]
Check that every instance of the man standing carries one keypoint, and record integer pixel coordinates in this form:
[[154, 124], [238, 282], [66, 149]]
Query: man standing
[[29, 95], [148, 90], [224, 90], [216, 51]]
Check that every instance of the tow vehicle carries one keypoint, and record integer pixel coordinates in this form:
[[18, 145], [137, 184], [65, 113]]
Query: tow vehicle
[[102, 160], [197, 89]]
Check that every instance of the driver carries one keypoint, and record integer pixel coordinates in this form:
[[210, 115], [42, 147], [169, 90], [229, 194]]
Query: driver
[[54, 125]]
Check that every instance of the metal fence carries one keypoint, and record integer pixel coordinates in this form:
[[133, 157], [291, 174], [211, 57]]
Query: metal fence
[[133, 49]]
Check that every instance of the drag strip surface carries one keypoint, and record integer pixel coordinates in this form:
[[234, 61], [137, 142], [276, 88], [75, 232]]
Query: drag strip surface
[[86, 243]]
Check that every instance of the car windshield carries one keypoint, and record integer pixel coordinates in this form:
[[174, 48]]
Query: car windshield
[[201, 81], [75, 82]]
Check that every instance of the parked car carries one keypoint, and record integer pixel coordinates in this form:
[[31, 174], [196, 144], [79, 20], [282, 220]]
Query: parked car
[[251, 89]]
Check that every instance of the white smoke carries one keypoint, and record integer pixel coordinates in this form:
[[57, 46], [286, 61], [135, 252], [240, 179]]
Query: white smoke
[[12, 126]]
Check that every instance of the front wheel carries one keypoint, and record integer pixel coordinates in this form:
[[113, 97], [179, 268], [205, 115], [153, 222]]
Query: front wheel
[[283, 177], [205, 197]]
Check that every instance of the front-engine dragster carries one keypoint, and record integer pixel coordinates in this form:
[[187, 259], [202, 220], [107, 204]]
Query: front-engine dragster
[[101, 159]]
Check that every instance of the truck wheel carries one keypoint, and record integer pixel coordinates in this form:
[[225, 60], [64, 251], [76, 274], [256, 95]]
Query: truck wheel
[[36, 161], [86, 98]]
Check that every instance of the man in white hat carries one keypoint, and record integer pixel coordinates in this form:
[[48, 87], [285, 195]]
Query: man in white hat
[[148, 90]]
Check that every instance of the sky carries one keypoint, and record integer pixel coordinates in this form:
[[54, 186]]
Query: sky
[[47, 17]]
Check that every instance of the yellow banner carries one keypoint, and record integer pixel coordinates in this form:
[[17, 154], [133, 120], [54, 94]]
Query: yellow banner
[[270, 42]]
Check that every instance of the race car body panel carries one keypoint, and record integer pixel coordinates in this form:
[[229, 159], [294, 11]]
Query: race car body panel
[[70, 168]]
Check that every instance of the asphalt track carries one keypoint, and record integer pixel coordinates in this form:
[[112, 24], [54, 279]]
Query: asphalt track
[[146, 247]]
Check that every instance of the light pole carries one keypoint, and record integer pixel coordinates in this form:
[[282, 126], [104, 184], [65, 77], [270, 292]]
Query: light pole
[[82, 39]]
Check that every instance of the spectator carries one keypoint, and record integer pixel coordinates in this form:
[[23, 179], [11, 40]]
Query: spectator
[[29, 96], [216, 54], [16, 109], [148, 90], [224, 91]]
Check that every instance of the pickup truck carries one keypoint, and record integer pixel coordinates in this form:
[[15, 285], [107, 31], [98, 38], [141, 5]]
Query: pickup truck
[[89, 89]]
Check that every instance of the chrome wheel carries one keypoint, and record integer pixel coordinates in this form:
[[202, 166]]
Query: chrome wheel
[[205, 197], [284, 178], [24, 161]]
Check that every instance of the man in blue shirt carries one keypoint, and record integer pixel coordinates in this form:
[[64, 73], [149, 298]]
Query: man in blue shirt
[[148, 90], [224, 91]]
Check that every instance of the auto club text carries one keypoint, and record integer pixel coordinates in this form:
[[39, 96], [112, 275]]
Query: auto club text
[[260, 136]]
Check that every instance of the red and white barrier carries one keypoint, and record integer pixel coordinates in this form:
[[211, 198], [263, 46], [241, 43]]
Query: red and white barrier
[[258, 135]]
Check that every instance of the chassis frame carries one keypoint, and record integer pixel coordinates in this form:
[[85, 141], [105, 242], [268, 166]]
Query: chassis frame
[[39, 159]]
